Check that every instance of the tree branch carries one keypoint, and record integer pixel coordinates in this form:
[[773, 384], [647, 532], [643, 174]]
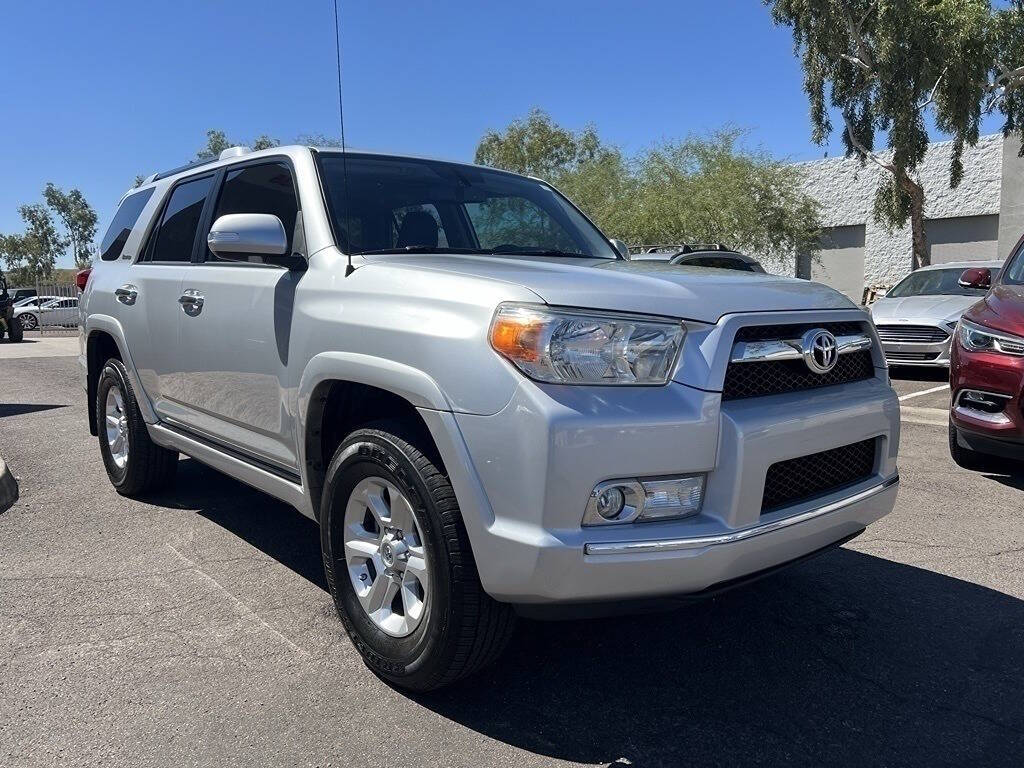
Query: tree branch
[[931, 96], [864, 150], [856, 32]]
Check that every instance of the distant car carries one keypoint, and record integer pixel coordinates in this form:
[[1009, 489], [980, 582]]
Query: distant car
[[33, 301], [57, 311], [716, 256], [23, 293], [916, 318], [986, 420]]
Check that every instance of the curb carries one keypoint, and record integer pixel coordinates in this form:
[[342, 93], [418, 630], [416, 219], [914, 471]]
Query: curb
[[8, 487]]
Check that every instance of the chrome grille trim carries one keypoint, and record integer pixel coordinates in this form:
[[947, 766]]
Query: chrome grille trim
[[789, 349], [912, 334]]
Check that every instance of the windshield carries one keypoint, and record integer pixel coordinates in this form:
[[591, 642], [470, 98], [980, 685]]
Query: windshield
[[936, 282], [402, 205]]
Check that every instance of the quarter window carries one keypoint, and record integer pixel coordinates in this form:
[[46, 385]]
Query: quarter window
[[177, 233], [265, 188], [125, 218]]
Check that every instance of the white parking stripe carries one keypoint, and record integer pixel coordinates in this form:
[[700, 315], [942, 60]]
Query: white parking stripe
[[924, 392]]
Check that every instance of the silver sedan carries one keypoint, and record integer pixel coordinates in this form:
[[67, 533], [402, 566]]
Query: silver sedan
[[916, 318]]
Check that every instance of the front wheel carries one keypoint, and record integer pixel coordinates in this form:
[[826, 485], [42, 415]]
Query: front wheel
[[134, 463], [28, 321], [400, 568]]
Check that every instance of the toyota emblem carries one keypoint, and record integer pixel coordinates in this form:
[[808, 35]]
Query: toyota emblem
[[820, 350]]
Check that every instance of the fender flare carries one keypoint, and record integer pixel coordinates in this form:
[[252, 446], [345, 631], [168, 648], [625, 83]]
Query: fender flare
[[112, 327]]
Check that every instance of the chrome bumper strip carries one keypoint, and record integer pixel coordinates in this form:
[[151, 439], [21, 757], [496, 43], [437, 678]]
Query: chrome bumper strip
[[790, 349], [699, 542]]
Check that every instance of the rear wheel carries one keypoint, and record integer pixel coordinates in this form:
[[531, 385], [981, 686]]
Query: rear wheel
[[134, 463], [14, 330], [28, 321], [399, 565]]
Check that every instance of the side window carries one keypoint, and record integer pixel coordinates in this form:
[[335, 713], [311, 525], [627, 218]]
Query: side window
[[265, 188], [177, 233], [411, 225], [1014, 268], [121, 226]]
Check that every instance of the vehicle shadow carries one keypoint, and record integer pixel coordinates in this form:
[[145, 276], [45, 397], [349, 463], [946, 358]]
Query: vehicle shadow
[[848, 659], [918, 373], [19, 409]]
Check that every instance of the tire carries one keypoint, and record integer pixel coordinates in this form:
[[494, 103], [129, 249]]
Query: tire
[[29, 322], [972, 460], [145, 466], [460, 628], [14, 330]]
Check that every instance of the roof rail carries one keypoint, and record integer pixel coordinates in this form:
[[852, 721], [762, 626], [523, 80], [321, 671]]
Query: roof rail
[[694, 247], [224, 155]]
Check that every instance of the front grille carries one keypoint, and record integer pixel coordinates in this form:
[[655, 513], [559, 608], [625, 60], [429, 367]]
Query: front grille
[[775, 377], [795, 480], [911, 334], [915, 356]]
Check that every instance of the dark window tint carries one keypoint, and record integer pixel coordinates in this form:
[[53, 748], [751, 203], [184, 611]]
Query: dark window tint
[[260, 189], [177, 232], [117, 233], [1015, 271]]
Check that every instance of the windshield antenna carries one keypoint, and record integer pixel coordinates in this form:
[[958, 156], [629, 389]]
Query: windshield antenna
[[344, 154]]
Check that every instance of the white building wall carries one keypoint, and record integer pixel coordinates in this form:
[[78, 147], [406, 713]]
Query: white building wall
[[846, 190]]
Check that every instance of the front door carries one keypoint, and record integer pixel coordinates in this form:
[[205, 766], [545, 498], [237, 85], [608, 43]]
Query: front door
[[237, 329], [148, 301]]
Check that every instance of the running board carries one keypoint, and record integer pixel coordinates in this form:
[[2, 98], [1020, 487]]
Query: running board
[[260, 478]]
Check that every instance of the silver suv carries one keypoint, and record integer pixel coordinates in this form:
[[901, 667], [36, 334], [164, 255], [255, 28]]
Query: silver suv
[[487, 407]]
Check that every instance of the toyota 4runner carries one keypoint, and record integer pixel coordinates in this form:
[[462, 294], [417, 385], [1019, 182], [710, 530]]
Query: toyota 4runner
[[487, 407]]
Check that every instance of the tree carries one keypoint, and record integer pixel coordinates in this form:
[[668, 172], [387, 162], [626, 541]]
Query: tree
[[78, 218], [33, 254], [886, 65], [217, 142], [700, 189]]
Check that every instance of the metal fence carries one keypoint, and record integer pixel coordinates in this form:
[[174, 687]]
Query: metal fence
[[53, 311]]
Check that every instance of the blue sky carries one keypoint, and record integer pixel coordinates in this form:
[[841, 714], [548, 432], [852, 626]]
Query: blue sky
[[92, 94]]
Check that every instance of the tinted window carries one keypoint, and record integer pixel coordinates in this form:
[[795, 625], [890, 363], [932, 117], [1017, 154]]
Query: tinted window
[[117, 233], [936, 282], [1015, 271], [260, 189], [177, 232], [476, 210]]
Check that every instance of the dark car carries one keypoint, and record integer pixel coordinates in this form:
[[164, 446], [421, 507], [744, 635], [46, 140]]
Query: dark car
[[987, 369]]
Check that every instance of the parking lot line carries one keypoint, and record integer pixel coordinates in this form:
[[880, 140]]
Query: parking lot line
[[924, 392]]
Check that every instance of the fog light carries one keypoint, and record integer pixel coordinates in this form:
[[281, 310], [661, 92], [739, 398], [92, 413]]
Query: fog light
[[610, 502], [626, 501]]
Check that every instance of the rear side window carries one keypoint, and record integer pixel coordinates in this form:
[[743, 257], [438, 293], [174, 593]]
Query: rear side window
[[117, 233], [265, 188], [177, 234]]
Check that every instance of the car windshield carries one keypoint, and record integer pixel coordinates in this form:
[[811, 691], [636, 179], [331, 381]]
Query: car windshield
[[936, 282], [400, 205]]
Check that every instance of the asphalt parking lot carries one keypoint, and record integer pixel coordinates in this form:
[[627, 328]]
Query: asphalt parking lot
[[193, 628]]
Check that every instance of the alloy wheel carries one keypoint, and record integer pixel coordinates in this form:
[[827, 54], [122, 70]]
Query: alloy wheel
[[117, 427]]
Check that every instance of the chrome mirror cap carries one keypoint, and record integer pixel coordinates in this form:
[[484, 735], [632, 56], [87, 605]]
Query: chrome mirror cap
[[243, 234]]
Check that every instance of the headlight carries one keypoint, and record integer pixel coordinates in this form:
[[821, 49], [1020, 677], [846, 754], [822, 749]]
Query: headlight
[[568, 347], [978, 338]]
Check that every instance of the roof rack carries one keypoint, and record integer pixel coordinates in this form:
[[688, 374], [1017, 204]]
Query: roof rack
[[694, 247], [227, 153]]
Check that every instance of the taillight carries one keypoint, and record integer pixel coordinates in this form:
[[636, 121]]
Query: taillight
[[82, 278]]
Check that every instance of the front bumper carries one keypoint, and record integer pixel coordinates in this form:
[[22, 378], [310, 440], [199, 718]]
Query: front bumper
[[536, 462], [992, 372]]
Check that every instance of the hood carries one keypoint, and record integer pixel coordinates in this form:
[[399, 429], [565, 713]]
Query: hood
[[1002, 309], [920, 309], [646, 287]]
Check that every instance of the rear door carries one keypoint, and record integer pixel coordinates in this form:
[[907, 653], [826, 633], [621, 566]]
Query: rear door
[[235, 374], [149, 298]]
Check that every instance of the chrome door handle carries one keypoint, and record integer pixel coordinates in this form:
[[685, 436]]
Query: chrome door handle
[[191, 302], [126, 294]]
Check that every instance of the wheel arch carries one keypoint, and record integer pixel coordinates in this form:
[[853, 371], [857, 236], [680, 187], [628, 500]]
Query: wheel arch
[[105, 339]]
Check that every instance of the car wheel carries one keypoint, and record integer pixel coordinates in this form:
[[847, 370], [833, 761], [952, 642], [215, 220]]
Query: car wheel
[[14, 330], [400, 568], [29, 321], [134, 463]]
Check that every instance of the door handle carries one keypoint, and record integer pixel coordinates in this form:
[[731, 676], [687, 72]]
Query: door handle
[[126, 294], [191, 302]]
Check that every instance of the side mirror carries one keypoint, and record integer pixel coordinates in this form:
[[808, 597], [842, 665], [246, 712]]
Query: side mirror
[[976, 277], [621, 247], [240, 236]]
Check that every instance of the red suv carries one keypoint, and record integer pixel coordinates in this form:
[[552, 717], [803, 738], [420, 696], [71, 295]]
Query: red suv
[[986, 373]]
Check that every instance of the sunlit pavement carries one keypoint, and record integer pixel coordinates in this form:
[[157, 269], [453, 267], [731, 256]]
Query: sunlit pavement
[[193, 629]]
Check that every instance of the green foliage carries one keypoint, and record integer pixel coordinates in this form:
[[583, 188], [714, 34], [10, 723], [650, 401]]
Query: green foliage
[[78, 218], [34, 253], [885, 64], [700, 189], [217, 142]]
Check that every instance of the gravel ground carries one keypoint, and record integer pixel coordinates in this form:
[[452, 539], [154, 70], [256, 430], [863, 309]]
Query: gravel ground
[[193, 628]]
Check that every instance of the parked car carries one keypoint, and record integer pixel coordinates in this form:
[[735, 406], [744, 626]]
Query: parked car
[[10, 326], [485, 406], [23, 293], [916, 318], [986, 421], [33, 301], [57, 311], [716, 256]]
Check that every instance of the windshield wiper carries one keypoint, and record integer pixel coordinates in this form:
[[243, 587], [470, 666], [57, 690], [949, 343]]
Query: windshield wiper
[[423, 249]]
